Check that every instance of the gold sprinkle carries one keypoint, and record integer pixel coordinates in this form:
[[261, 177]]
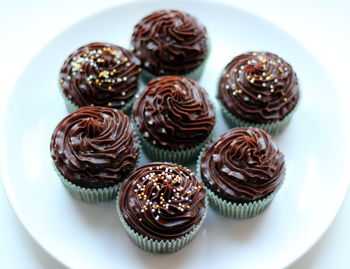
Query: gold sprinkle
[[140, 69], [126, 59], [285, 99], [235, 70], [280, 69], [272, 90], [110, 104], [140, 219], [227, 75], [104, 73], [109, 87]]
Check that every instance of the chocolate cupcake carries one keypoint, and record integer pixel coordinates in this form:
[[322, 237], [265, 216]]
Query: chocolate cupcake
[[100, 74], [242, 171], [174, 119], [259, 89], [170, 42], [93, 150], [162, 206]]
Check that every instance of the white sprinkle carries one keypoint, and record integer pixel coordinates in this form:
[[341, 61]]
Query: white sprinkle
[[123, 93], [259, 96], [125, 78], [264, 84], [157, 217], [227, 86], [276, 80], [142, 210]]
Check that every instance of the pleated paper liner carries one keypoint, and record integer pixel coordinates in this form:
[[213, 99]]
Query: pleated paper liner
[[160, 246]]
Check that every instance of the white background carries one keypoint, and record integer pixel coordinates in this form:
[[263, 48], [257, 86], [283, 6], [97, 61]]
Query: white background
[[321, 26]]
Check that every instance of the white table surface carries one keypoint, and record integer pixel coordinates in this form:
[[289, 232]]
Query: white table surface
[[26, 26]]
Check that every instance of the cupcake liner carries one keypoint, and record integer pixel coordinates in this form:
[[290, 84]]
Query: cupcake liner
[[71, 106], [273, 128], [236, 210], [182, 156], [160, 246], [194, 74], [93, 195]]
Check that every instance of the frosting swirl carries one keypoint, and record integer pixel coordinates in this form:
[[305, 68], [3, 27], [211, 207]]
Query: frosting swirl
[[259, 87], [174, 112], [94, 147], [170, 42], [242, 165], [163, 201], [100, 74]]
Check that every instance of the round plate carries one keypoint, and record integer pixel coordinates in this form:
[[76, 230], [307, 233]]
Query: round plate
[[90, 236]]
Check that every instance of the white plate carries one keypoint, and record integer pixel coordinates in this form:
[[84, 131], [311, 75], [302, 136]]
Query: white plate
[[90, 236]]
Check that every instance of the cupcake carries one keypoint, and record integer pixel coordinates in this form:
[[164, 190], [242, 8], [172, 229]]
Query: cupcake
[[258, 89], [170, 42], [174, 119], [161, 206], [242, 171], [93, 150], [100, 74]]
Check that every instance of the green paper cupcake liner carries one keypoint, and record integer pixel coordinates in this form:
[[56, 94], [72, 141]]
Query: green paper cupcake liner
[[194, 74], [160, 246], [93, 195], [182, 156], [71, 106], [273, 128], [236, 210]]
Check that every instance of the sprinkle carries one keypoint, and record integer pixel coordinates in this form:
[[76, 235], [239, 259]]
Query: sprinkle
[[285, 99], [123, 93], [140, 219], [227, 75], [259, 96], [264, 84], [125, 78]]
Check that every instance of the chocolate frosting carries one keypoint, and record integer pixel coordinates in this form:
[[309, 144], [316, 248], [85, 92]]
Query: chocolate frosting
[[162, 201], [94, 147], [100, 74], [170, 42], [259, 87], [242, 165], [174, 112]]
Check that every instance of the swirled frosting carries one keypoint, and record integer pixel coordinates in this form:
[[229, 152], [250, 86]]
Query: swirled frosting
[[94, 147], [170, 42], [174, 112], [242, 165], [163, 201], [100, 74], [259, 87]]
